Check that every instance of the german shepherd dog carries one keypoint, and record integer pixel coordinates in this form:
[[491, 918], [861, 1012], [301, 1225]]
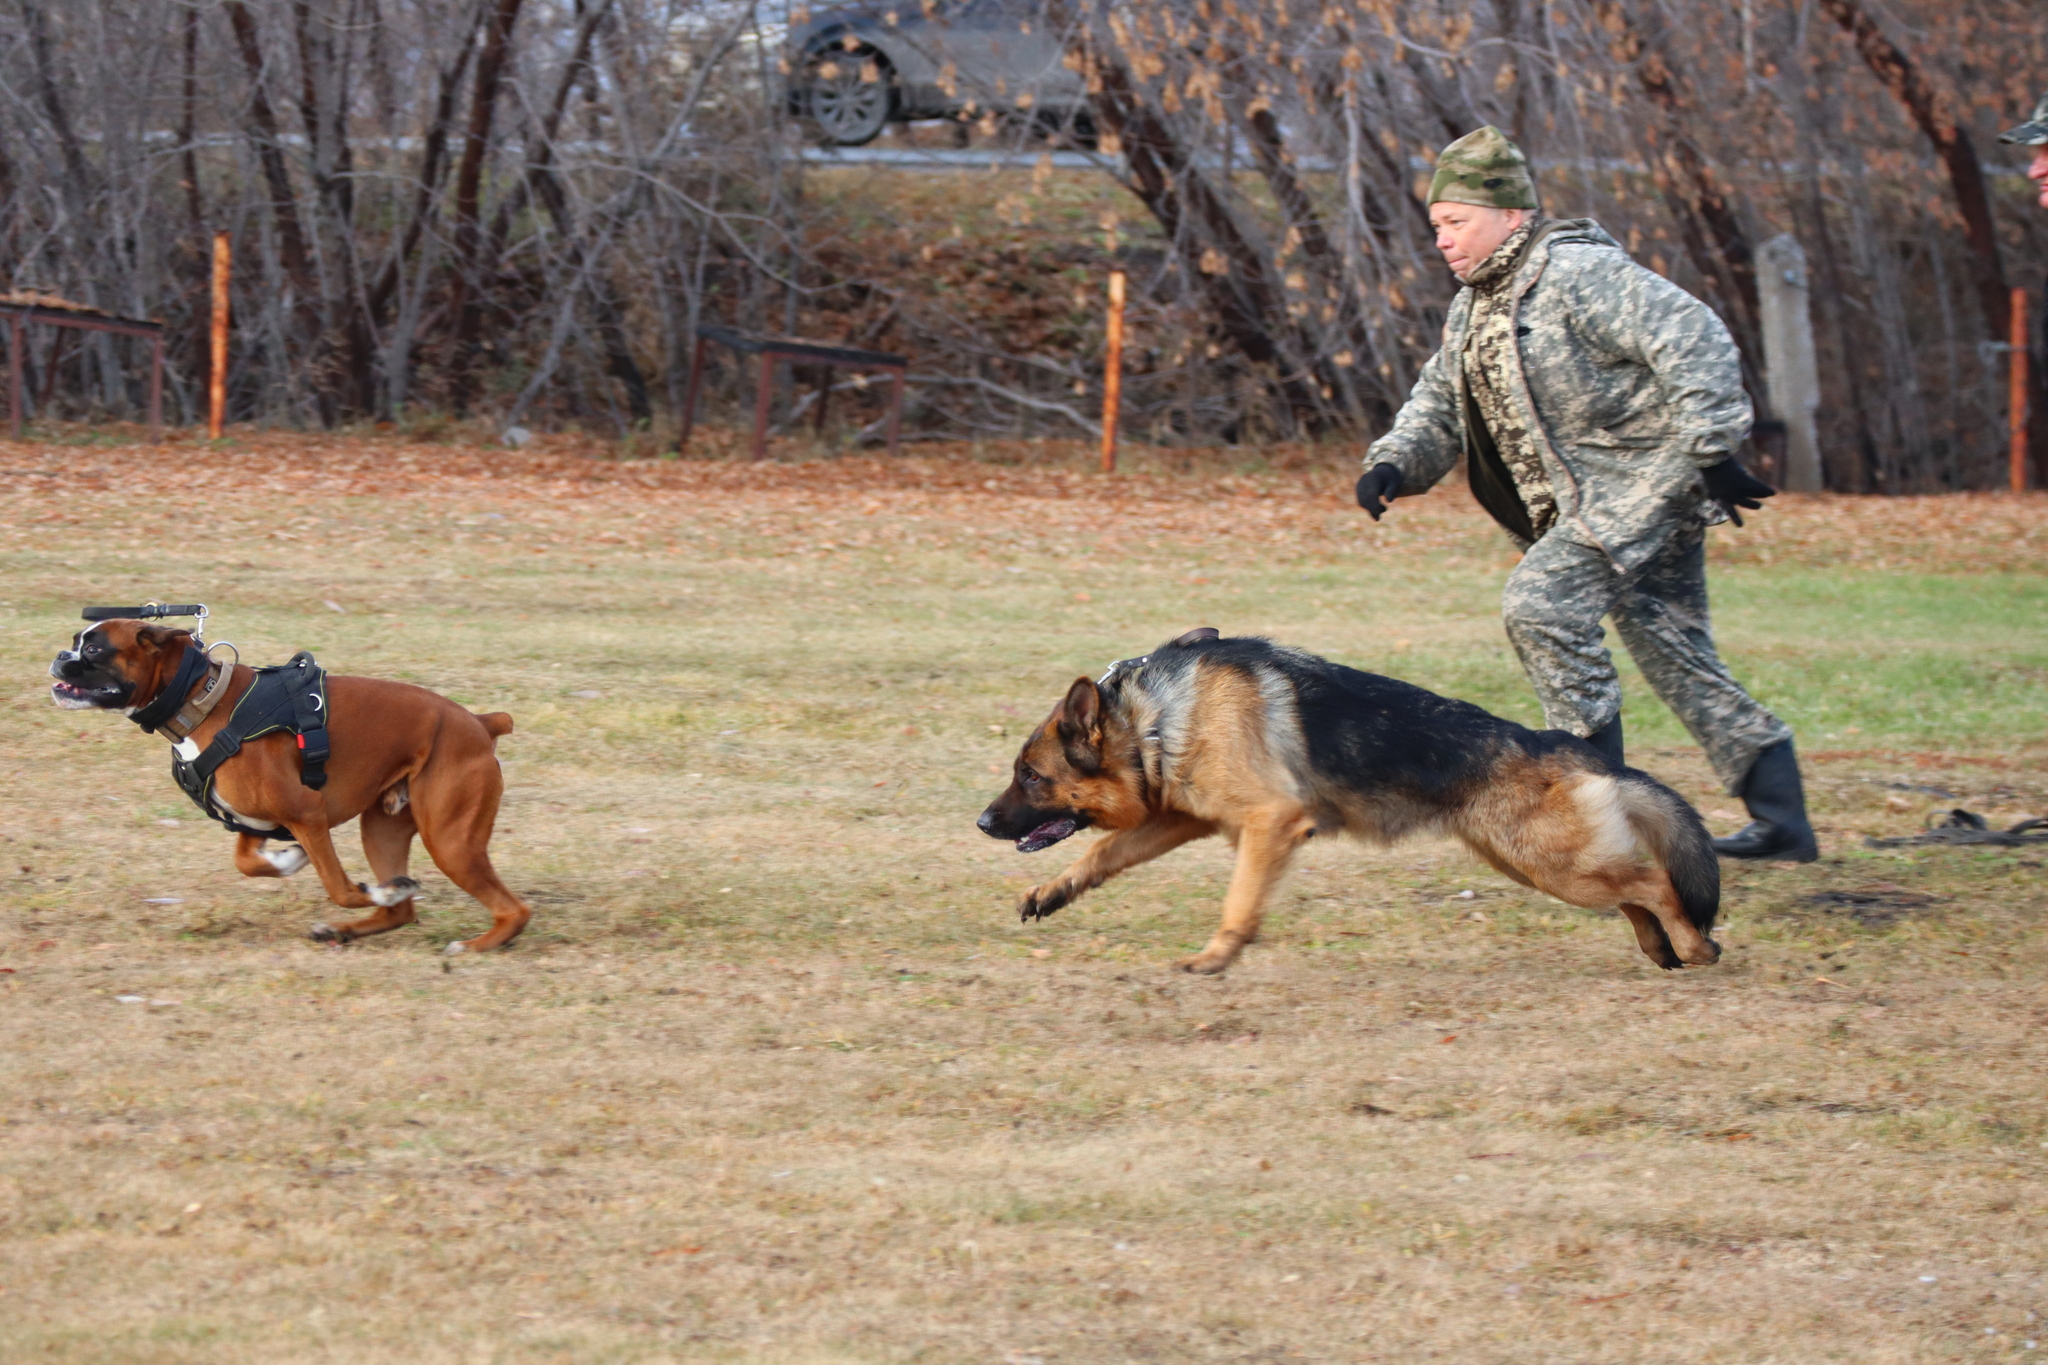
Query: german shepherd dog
[[1271, 746]]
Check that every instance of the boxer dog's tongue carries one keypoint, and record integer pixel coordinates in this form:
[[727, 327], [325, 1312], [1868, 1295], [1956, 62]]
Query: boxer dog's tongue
[[1046, 835], [71, 697]]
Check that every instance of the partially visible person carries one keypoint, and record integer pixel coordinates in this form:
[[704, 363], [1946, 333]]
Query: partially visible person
[[2034, 133], [1599, 407]]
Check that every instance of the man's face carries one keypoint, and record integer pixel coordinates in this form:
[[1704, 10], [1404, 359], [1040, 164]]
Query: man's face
[[2038, 173], [1467, 233]]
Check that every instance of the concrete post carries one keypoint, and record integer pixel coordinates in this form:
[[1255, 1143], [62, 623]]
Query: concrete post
[[1791, 373]]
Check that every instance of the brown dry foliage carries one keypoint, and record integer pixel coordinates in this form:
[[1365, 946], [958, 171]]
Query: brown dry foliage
[[1295, 501], [631, 174]]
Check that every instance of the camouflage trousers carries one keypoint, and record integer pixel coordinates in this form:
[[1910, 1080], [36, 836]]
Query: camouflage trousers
[[1553, 604]]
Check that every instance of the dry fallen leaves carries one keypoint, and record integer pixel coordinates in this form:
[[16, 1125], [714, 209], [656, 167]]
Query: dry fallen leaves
[[1017, 494]]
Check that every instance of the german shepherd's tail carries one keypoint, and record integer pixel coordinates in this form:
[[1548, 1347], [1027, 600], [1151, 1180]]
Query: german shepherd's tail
[[1673, 831]]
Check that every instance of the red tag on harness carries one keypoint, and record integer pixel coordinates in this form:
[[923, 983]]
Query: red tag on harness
[[302, 743]]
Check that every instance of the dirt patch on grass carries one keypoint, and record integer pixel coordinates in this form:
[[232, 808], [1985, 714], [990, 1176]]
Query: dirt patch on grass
[[1874, 907]]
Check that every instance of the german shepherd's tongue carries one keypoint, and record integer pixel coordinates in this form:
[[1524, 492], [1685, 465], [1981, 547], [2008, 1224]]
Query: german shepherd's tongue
[[1046, 835]]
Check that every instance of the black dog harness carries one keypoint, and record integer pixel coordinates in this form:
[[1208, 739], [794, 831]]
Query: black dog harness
[[291, 696]]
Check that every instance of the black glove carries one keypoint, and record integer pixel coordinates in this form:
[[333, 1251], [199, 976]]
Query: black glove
[[1729, 484], [1382, 481]]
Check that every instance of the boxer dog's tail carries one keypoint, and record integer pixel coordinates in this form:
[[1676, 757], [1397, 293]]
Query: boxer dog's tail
[[498, 723]]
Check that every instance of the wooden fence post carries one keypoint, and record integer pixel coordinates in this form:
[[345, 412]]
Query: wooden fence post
[[1113, 371], [15, 340], [2019, 391], [156, 389], [1791, 372], [217, 373]]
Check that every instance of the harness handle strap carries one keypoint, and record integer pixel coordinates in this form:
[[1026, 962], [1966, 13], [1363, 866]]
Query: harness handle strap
[[148, 611], [313, 759], [309, 718]]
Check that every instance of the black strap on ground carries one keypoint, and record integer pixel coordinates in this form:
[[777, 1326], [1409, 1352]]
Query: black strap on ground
[[1961, 826]]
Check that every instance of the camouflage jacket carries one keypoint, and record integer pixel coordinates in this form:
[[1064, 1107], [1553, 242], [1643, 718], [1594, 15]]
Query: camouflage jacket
[[1632, 386]]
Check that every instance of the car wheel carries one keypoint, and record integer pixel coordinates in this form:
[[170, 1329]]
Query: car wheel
[[1073, 128], [850, 94]]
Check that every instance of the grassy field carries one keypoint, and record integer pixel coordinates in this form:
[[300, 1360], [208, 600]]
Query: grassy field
[[776, 1076]]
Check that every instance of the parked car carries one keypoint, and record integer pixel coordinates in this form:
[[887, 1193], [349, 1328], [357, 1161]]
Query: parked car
[[856, 68]]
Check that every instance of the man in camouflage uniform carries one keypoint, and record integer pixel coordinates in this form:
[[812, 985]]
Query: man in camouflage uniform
[[2034, 133], [1598, 406]]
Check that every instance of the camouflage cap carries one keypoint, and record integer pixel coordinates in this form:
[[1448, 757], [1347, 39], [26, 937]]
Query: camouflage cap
[[1486, 169], [2032, 133]]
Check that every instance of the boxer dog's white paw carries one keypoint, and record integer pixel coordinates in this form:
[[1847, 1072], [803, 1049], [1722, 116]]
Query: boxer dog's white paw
[[287, 860], [322, 932], [393, 892], [455, 948]]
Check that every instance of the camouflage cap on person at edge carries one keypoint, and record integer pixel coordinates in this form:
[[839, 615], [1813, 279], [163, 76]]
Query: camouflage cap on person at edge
[[1485, 169], [2032, 133]]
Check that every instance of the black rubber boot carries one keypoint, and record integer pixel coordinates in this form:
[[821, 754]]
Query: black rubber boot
[[1607, 739], [1778, 829]]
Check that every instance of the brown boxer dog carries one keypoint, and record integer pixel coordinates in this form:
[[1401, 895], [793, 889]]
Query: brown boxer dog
[[405, 760]]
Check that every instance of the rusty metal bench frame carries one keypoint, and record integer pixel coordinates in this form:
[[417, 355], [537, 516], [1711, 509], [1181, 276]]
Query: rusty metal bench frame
[[20, 315], [772, 349]]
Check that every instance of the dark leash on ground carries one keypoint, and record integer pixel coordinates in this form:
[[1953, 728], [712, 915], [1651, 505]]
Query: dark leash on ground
[[1961, 826]]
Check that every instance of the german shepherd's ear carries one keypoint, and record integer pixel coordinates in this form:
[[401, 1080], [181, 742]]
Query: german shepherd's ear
[[1080, 727]]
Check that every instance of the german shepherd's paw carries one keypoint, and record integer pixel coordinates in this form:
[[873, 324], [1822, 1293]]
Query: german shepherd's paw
[[1212, 960], [1657, 946], [1706, 955], [1040, 902]]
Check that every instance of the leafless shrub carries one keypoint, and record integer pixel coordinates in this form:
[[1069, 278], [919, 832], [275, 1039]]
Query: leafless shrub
[[519, 210]]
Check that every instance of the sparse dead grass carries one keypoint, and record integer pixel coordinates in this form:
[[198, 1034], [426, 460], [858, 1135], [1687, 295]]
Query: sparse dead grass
[[775, 1076]]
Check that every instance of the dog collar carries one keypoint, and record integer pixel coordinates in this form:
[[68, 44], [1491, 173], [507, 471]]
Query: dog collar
[[166, 703], [1148, 758], [1123, 666], [196, 710], [175, 710]]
